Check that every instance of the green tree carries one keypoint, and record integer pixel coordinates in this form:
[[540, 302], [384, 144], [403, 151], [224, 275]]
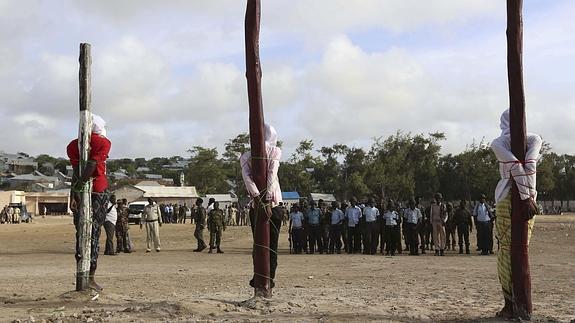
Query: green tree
[[206, 172]]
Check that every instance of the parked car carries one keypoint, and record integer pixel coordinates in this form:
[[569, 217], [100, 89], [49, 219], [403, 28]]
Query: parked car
[[136, 209]]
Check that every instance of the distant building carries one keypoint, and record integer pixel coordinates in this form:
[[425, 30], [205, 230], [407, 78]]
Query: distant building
[[17, 163], [290, 197], [327, 198], [31, 181], [143, 170], [160, 193], [223, 199], [177, 165]]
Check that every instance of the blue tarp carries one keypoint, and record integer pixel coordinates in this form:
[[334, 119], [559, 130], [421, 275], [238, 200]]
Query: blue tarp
[[290, 196]]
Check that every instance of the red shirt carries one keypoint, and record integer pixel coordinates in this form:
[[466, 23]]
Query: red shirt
[[99, 149]]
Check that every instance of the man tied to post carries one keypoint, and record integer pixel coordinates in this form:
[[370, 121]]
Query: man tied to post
[[95, 170], [523, 174], [269, 199]]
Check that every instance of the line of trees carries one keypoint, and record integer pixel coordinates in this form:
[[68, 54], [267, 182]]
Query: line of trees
[[398, 167]]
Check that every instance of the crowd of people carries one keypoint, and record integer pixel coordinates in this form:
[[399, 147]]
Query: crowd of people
[[389, 227], [15, 214], [173, 213]]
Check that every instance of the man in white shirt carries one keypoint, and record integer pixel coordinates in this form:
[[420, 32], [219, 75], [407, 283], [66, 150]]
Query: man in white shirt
[[482, 214], [391, 219], [353, 215], [296, 229], [335, 228], [110, 226], [412, 216], [371, 215]]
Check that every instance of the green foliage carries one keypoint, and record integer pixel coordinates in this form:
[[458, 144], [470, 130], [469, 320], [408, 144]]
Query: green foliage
[[206, 171], [398, 167]]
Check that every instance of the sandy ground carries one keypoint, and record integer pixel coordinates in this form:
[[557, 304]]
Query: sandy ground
[[37, 281]]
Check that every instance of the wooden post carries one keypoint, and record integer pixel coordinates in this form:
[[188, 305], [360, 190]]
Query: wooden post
[[85, 131], [258, 150], [519, 227]]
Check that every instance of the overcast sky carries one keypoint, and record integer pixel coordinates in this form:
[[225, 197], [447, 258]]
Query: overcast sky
[[169, 75]]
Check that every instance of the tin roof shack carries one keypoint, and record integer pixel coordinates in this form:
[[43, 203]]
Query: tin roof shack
[[223, 199], [327, 198], [29, 181], [17, 163], [160, 194], [290, 198]]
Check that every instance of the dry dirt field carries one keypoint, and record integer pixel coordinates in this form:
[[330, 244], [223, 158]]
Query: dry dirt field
[[37, 281]]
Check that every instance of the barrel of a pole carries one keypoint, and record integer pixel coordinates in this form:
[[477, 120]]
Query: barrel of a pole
[[84, 133]]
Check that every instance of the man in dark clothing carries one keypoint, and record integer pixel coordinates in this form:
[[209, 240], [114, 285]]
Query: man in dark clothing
[[200, 220], [462, 220]]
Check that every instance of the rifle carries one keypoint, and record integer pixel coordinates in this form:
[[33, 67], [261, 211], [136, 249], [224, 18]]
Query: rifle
[[289, 239]]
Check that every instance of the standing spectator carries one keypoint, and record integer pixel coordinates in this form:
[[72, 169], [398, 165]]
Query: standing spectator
[[216, 225], [110, 225], [10, 215], [353, 215], [462, 220], [336, 224], [412, 221], [325, 222], [152, 217], [450, 228], [17, 215], [122, 226], [391, 220], [199, 216], [483, 215], [438, 216], [424, 228], [371, 215], [182, 212], [296, 229], [233, 214], [313, 220], [3, 215]]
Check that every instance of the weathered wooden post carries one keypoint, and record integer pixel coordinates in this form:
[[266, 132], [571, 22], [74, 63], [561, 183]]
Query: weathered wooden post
[[85, 131], [258, 149], [519, 227]]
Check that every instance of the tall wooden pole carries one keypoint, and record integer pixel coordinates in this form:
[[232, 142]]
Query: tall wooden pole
[[85, 130], [519, 226], [258, 149]]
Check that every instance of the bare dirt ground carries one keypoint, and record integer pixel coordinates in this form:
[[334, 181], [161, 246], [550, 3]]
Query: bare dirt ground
[[37, 281]]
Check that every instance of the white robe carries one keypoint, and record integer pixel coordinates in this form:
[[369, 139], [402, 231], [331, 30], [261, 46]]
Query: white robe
[[525, 175]]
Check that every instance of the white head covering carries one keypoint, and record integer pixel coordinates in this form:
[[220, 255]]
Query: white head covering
[[98, 125], [271, 135], [504, 125]]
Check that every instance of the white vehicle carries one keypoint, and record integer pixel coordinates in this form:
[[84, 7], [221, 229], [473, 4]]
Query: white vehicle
[[136, 209]]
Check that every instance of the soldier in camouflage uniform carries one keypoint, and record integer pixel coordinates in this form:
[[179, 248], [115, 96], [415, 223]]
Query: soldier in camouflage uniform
[[122, 239], [216, 224], [200, 220]]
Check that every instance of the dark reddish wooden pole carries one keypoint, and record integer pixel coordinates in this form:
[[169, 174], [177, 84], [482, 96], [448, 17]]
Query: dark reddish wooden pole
[[258, 149], [519, 227]]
